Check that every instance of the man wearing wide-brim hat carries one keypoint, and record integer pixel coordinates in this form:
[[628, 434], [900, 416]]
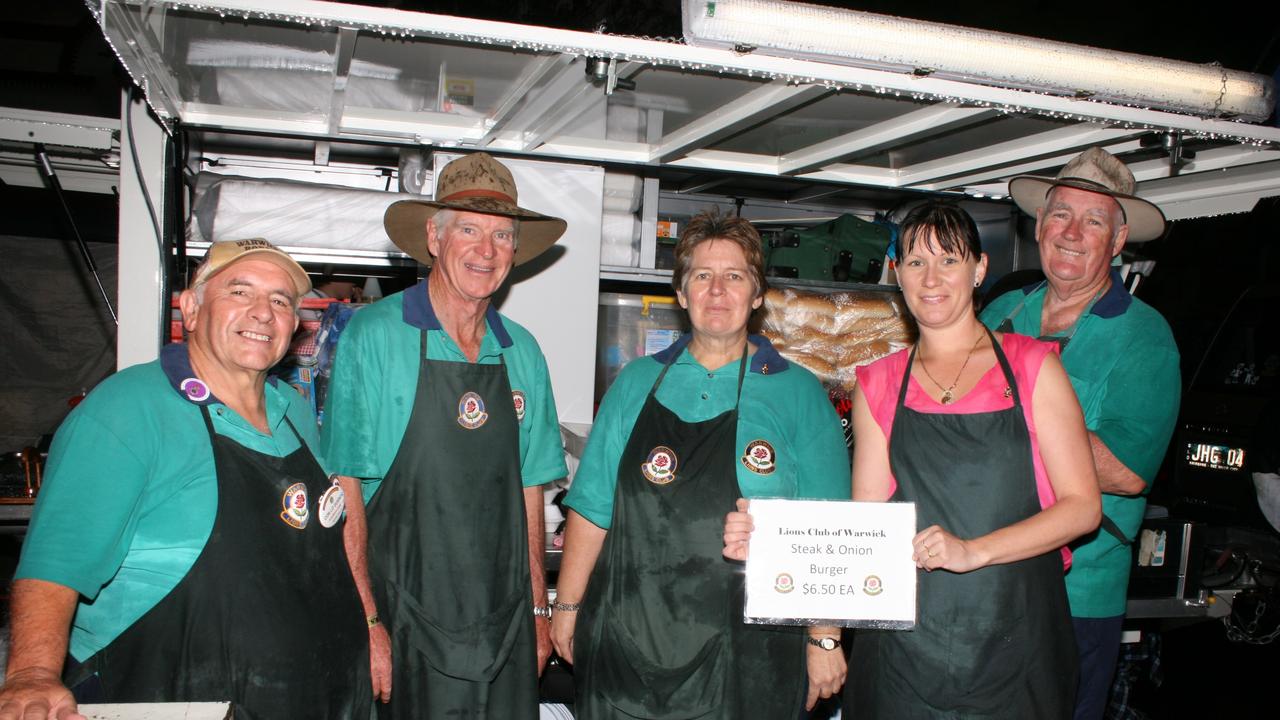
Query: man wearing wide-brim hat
[[443, 408], [1123, 365]]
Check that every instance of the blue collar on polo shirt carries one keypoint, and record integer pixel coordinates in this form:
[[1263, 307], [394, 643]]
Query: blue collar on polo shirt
[[175, 361], [419, 313], [1113, 302], [765, 361]]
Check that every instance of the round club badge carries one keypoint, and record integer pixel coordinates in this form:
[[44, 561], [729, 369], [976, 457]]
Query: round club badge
[[471, 414], [332, 504], [296, 513], [517, 397], [194, 389], [759, 457], [660, 468], [872, 585], [784, 583]]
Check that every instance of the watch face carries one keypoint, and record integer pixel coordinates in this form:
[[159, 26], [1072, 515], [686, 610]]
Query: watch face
[[828, 644]]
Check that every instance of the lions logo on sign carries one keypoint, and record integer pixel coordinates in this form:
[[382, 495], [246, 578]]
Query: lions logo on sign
[[517, 397], [296, 513], [759, 457], [471, 414], [660, 468], [872, 585], [784, 583]]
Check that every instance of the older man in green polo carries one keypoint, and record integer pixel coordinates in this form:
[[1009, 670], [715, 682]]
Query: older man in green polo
[[443, 408], [1123, 365]]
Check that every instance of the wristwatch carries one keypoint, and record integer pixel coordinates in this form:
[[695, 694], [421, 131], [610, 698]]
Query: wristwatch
[[826, 643]]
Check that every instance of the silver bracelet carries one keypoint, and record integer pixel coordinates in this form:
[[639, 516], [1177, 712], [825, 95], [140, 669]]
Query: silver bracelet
[[544, 611], [566, 607]]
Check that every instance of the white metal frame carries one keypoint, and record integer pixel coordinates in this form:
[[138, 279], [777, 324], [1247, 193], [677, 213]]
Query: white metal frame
[[535, 114]]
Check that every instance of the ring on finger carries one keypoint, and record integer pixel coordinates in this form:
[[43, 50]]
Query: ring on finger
[[930, 551]]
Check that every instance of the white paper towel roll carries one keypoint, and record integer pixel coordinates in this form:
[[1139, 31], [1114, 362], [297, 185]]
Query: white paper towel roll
[[619, 239], [622, 192]]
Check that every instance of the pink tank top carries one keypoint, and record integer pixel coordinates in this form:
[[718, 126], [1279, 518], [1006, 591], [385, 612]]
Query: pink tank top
[[881, 380]]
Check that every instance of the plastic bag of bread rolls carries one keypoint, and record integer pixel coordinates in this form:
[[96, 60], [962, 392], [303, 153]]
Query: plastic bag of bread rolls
[[830, 334]]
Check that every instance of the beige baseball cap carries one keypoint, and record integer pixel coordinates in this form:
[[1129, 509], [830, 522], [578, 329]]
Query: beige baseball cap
[[228, 252]]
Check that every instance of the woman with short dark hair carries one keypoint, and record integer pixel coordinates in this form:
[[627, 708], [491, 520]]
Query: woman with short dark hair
[[646, 608]]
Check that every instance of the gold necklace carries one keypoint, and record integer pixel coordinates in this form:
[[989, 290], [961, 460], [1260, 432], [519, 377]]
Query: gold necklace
[[947, 396]]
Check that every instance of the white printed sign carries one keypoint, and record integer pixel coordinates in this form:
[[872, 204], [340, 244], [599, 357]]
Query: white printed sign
[[830, 562]]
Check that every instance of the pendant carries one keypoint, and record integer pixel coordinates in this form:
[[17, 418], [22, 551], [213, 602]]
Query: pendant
[[947, 398]]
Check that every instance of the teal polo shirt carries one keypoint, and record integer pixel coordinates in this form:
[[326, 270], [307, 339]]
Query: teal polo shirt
[[375, 378], [1123, 366], [782, 404], [130, 491]]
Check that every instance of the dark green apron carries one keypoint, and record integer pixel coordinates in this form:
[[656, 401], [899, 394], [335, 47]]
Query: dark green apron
[[993, 643], [660, 633], [267, 617], [448, 552]]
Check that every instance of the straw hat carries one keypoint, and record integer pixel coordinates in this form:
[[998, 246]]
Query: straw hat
[[475, 183], [1095, 170]]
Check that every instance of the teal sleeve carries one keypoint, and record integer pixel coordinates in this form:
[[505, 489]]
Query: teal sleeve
[[543, 461], [591, 493], [1000, 307], [1140, 406], [347, 438], [825, 473], [87, 512]]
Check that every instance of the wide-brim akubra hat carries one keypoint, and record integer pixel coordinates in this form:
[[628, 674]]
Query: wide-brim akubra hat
[[1095, 170], [475, 183]]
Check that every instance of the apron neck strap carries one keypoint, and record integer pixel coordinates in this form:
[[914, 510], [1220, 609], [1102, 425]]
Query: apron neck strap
[[1004, 365], [1000, 358], [422, 350], [208, 424], [742, 372]]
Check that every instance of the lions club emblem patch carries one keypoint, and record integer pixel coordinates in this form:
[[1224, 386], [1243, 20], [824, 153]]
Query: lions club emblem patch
[[784, 583], [660, 468], [759, 457], [517, 398], [296, 513], [872, 585], [471, 414]]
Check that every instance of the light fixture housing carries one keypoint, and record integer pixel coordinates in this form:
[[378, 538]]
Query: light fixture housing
[[884, 42]]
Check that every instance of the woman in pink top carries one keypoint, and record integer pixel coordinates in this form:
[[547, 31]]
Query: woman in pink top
[[948, 425], [983, 433]]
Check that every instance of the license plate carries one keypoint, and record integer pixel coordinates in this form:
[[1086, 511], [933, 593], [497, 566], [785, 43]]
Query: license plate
[[1215, 457]]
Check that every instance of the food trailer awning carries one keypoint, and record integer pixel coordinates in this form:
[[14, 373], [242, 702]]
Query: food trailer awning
[[331, 72]]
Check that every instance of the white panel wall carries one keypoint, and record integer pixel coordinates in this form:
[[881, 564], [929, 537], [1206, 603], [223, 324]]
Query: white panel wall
[[556, 296]]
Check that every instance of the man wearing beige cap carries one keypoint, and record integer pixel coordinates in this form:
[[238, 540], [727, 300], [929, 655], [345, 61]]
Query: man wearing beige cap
[[186, 545], [1123, 365], [443, 408]]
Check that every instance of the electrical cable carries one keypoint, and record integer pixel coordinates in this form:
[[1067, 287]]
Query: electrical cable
[[137, 170], [162, 288]]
